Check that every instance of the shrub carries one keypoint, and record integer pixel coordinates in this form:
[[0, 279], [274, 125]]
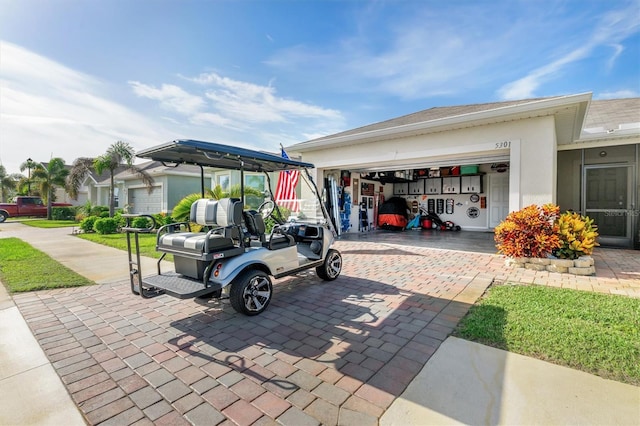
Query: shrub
[[63, 213], [270, 222], [577, 236], [141, 222], [163, 219], [87, 223], [529, 232], [99, 211], [106, 225], [119, 219]]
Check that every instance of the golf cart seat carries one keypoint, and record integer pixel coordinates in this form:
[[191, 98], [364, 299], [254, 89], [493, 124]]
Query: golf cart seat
[[256, 228], [192, 251]]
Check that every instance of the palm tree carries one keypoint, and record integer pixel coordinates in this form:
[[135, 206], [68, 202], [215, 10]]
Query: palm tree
[[181, 211], [54, 173], [118, 154], [7, 183], [28, 165]]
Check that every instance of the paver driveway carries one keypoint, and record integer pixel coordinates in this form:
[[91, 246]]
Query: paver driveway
[[323, 353]]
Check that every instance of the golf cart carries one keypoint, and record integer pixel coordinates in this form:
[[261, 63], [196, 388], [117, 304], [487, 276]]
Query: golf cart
[[229, 253]]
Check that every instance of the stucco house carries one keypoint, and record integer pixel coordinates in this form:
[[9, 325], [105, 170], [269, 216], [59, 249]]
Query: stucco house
[[169, 187], [571, 150]]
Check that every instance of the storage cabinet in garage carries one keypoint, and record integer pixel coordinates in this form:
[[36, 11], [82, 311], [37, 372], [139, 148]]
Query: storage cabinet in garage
[[416, 187], [433, 186], [451, 185], [400, 188], [471, 184]]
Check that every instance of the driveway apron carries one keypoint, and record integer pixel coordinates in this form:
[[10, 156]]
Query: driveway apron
[[322, 353], [329, 353]]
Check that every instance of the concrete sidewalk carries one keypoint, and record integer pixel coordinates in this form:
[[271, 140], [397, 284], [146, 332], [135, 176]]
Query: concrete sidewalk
[[32, 393], [469, 383], [462, 382]]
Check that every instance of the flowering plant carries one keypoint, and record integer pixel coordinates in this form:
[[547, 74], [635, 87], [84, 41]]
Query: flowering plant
[[577, 236], [529, 232]]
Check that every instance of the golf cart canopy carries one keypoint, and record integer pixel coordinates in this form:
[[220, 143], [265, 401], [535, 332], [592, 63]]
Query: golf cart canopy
[[208, 154]]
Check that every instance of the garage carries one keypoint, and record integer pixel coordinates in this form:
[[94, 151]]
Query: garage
[[140, 200], [469, 196], [470, 165]]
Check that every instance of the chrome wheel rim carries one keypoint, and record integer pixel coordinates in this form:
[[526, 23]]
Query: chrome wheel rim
[[334, 265], [256, 294]]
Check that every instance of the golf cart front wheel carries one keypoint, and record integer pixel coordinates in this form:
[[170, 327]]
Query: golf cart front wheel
[[331, 267], [251, 292]]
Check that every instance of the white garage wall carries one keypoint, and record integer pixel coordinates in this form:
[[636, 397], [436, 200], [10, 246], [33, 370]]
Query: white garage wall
[[531, 148]]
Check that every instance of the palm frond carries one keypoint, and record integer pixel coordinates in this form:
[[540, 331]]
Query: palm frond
[[79, 171], [182, 210]]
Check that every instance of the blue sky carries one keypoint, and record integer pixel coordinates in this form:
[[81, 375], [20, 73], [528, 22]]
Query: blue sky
[[77, 75]]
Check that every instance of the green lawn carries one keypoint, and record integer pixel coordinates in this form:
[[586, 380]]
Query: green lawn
[[24, 268], [592, 332], [43, 223], [119, 241]]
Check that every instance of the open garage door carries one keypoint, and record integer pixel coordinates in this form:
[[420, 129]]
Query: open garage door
[[474, 196], [141, 201]]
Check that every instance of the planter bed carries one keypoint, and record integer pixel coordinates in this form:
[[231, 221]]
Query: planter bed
[[583, 265]]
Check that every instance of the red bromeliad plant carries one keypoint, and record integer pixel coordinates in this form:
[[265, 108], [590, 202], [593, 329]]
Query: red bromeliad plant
[[530, 232]]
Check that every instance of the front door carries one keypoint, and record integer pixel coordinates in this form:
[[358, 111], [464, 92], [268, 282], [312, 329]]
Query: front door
[[608, 198], [498, 198]]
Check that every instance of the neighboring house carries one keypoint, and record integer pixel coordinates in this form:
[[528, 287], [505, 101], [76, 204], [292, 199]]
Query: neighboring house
[[171, 184], [95, 189], [580, 153]]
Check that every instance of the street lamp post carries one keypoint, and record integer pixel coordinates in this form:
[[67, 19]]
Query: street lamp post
[[29, 165]]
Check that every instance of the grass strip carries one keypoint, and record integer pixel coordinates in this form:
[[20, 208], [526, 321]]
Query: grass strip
[[592, 332], [24, 268], [147, 243], [43, 223]]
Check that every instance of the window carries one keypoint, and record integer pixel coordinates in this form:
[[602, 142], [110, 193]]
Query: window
[[223, 181], [256, 183]]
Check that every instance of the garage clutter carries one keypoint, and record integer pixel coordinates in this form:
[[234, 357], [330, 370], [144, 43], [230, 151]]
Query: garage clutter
[[439, 198]]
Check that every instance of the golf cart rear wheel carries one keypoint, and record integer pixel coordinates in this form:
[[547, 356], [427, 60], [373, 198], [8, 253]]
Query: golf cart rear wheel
[[331, 267], [251, 292]]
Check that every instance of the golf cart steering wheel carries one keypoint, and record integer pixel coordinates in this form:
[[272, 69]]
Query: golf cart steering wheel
[[266, 209]]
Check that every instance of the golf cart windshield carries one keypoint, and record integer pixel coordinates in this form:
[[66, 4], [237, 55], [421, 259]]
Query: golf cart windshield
[[303, 203]]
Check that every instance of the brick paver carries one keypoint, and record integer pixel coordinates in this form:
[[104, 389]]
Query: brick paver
[[332, 352]]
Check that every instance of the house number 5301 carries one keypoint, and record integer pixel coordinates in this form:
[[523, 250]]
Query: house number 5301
[[502, 145]]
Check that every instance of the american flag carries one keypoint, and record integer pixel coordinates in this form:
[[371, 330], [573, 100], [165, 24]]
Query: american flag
[[286, 189]]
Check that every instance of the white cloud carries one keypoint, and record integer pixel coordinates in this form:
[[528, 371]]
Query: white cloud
[[240, 106], [47, 109], [612, 28], [618, 94], [171, 97], [242, 101], [416, 52]]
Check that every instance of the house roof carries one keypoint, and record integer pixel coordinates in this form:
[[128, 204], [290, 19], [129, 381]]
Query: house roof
[[430, 114], [612, 116], [103, 178], [155, 168], [568, 110]]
